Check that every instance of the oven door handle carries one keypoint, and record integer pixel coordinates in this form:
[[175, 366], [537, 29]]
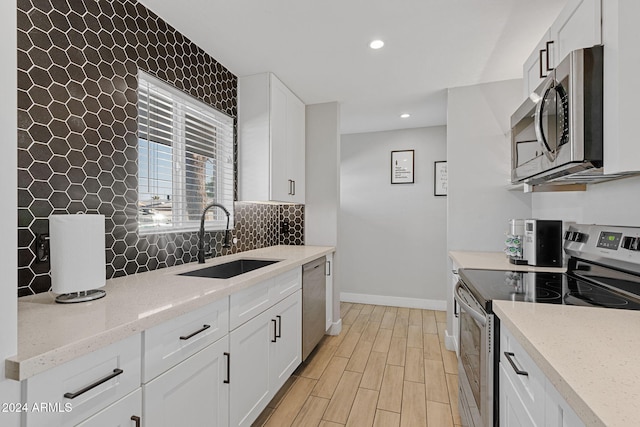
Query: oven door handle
[[476, 315]]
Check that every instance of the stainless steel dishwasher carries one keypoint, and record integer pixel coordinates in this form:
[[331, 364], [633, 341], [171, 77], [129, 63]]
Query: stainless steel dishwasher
[[313, 304]]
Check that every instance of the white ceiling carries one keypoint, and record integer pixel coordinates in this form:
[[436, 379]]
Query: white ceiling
[[319, 48]]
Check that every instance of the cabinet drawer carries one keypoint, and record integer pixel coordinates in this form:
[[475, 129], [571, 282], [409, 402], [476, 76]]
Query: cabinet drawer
[[530, 387], [78, 389], [125, 412], [170, 343], [285, 285], [248, 303]]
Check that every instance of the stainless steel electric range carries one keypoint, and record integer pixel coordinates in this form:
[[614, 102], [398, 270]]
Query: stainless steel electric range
[[603, 270]]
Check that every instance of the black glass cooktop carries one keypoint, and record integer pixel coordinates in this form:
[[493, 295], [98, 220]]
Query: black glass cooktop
[[549, 288]]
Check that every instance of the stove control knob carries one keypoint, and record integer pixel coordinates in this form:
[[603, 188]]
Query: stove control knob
[[631, 243]]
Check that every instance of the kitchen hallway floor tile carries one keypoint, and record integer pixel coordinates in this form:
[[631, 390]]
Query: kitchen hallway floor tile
[[388, 367]]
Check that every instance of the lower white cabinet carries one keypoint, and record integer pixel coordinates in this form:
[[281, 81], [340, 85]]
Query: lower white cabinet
[[527, 397], [193, 393], [329, 291], [249, 388], [513, 412], [264, 353], [285, 354], [125, 412], [77, 390]]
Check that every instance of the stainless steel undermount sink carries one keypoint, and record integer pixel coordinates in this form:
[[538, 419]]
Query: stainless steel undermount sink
[[230, 269]]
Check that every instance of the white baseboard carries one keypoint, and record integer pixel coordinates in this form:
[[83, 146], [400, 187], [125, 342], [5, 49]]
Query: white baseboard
[[335, 328], [427, 304], [450, 342]]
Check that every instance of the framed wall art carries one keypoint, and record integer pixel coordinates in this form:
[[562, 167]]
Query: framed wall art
[[402, 165], [440, 178]]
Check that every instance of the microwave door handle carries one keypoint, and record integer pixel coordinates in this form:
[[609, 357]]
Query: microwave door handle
[[476, 315]]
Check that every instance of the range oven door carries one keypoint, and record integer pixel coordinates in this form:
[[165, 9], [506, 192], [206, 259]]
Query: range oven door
[[475, 364]]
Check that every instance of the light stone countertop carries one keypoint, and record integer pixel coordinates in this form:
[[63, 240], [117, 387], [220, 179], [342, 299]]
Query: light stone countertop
[[494, 261], [591, 355], [50, 334]]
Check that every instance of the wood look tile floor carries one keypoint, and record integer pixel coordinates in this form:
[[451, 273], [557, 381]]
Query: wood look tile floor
[[387, 368]]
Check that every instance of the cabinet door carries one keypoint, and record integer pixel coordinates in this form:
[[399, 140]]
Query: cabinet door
[[279, 121], [126, 412], [329, 291], [296, 147], [285, 354], [249, 372], [533, 74], [578, 26], [513, 412], [193, 393], [455, 320], [557, 411]]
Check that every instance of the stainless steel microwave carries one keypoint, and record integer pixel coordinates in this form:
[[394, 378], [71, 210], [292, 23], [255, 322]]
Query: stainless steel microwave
[[556, 135]]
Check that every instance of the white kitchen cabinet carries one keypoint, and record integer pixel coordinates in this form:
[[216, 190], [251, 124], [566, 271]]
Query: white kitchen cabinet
[[192, 393], [621, 37], [513, 412], [249, 369], [577, 26], [271, 141], [558, 413], [527, 397], [171, 342], [329, 291], [285, 354], [11, 403], [264, 353], [124, 413], [535, 67], [81, 388], [455, 333]]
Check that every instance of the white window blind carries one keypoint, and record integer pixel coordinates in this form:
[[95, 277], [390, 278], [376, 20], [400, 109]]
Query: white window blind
[[185, 159]]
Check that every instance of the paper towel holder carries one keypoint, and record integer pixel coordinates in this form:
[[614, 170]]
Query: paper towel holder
[[77, 257]]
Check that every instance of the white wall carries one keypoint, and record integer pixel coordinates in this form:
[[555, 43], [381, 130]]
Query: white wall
[[392, 237], [479, 162], [322, 184], [609, 203], [8, 195]]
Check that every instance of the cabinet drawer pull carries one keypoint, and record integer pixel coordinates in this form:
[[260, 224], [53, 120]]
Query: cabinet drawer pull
[[115, 373], [290, 187], [279, 327], [136, 419], [228, 356], [275, 330], [549, 43], [513, 365], [293, 193], [204, 328], [328, 273]]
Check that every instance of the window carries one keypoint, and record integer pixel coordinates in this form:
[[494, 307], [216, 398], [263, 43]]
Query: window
[[185, 160]]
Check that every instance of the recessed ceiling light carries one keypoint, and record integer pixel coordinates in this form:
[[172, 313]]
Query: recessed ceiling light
[[376, 44], [405, 116]]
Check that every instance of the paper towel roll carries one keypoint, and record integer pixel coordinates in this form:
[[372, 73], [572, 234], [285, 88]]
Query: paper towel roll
[[77, 252]]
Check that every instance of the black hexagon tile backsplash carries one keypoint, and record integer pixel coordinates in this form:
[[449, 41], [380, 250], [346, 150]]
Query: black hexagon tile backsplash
[[78, 62]]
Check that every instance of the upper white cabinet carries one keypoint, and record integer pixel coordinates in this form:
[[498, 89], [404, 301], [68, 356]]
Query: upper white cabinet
[[271, 141], [621, 38], [577, 26]]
